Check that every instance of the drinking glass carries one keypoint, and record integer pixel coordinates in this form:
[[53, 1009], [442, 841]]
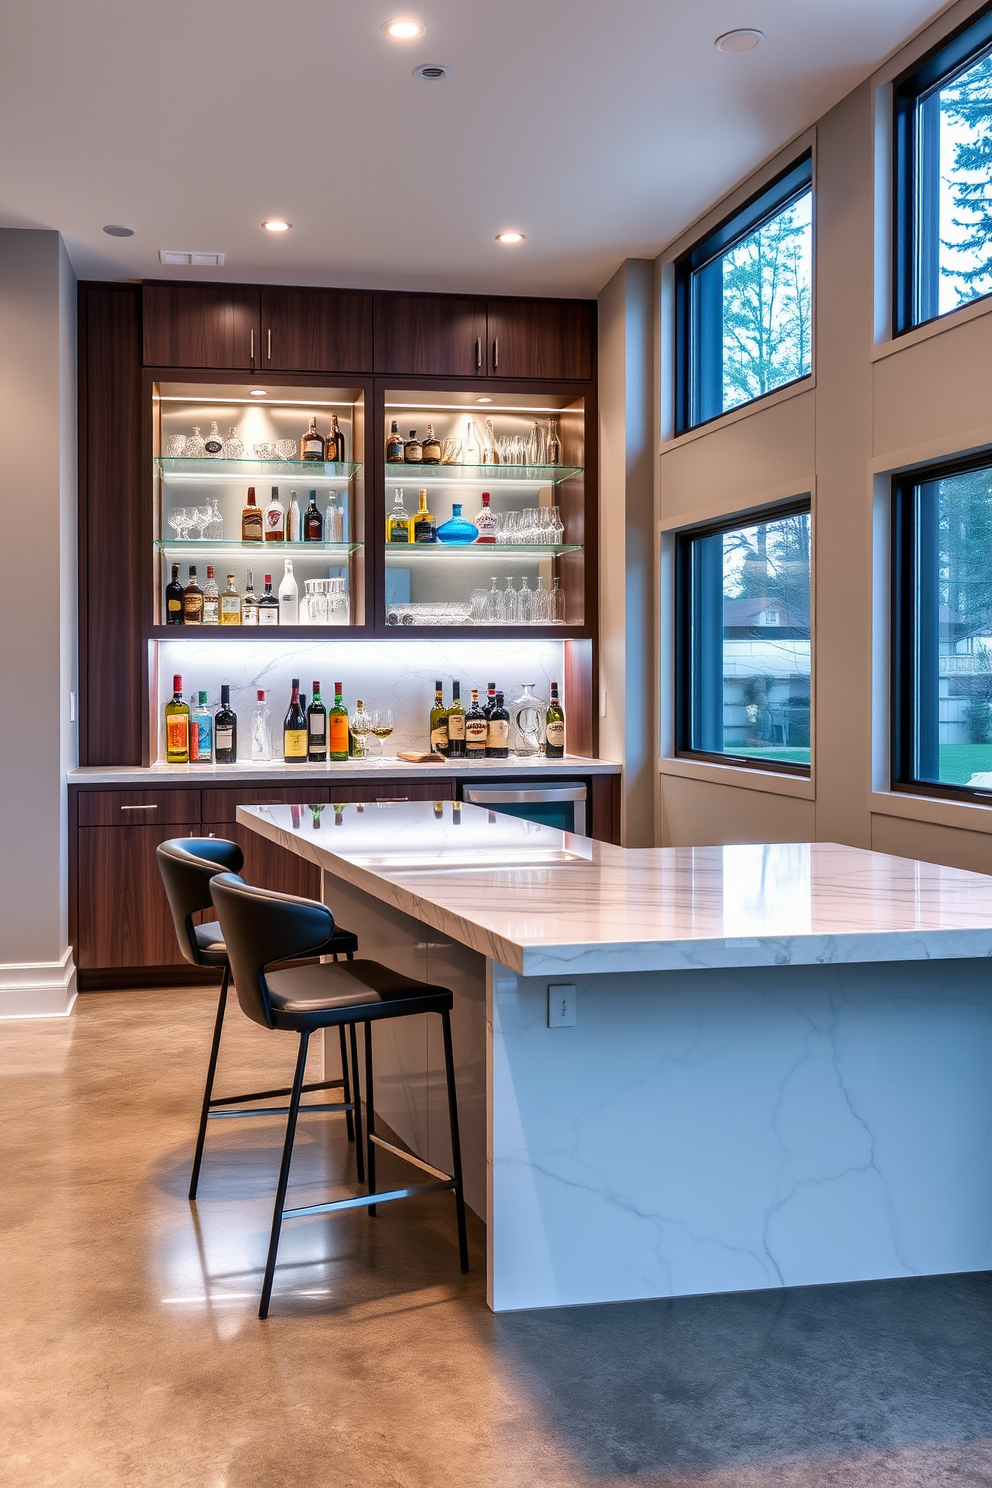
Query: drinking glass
[[175, 446], [479, 597], [200, 517], [382, 726], [542, 605], [557, 600], [286, 449], [451, 452], [179, 521], [263, 451]]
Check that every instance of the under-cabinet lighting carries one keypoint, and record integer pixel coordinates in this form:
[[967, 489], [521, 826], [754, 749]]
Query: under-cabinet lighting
[[404, 30], [467, 408], [258, 393], [483, 400], [283, 402]]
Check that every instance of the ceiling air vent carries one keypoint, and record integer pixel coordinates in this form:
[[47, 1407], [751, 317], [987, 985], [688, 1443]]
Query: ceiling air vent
[[432, 72], [190, 259]]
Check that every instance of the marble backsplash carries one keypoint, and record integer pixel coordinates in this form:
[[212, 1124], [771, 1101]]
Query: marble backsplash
[[385, 674]]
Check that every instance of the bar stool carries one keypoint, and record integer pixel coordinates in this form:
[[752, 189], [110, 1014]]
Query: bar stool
[[261, 927], [187, 864]]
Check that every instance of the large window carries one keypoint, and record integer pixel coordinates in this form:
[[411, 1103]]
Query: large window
[[743, 640], [942, 629], [943, 169], [744, 302]]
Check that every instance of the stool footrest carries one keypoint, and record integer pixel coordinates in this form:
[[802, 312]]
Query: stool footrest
[[362, 1200], [409, 1157], [237, 1100], [280, 1111]]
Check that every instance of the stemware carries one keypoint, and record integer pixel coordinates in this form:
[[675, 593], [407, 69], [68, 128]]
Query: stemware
[[179, 521], [382, 726]]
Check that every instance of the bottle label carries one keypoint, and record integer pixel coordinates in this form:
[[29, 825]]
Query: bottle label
[[556, 733], [425, 531], [399, 532], [439, 738], [224, 737], [230, 611], [211, 612], [294, 743], [476, 730], [213, 446], [268, 615], [338, 734], [394, 451], [313, 448], [274, 519], [175, 605], [414, 455], [177, 733], [317, 728], [202, 731], [249, 614], [456, 725], [498, 736]]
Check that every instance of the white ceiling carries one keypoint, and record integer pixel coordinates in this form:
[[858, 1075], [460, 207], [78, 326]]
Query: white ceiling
[[601, 131]]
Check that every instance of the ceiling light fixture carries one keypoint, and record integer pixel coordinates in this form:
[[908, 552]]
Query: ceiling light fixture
[[510, 237], [276, 224], [432, 72], [404, 30], [744, 40], [118, 230], [259, 392]]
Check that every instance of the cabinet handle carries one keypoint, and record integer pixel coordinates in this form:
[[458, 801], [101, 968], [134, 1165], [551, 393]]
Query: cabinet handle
[[478, 351], [385, 800], [495, 352], [251, 345], [153, 807], [270, 343]]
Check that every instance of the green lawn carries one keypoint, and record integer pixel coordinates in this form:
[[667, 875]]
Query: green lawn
[[958, 762], [788, 756]]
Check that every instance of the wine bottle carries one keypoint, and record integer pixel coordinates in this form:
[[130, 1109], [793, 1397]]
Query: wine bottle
[[335, 441], [312, 443], [293, 520], [192, 600], [413, 450], [230, 604], [249, 603], [455, 719], [423, 527], [275, 519], [554, 747], [225, 730], [213, 445], [498, 730], [338, 730], [201, 728], [394, 446], [313, 522], [334, 522], [174, 599], [439, 722], [490, 699], [251, 519], [398, 520], [476, 729], [177, 725], [317, 729], [261, 728], [289, 596], [430, 450], [211, 598], [268, 605], [470, 450], [294, 730]]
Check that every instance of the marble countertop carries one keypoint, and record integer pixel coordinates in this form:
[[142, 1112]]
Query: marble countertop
[[545, 902], [353, 770]]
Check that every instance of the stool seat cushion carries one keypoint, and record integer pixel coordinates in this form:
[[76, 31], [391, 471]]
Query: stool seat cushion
[[308, 997], [213, 952]]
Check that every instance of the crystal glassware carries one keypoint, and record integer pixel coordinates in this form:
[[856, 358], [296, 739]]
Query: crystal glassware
[[382, 725], [457, 531], [527, 716], [510, 612], [535, 452], [179, 522], [552, 455], [175, 446], [557, 526], [478, 601], [286, 449], [233, 447], [542, 604], [451, 452], [493, 609], [195, 447], [215, 526], [525, 604], [263, 451], [361, 726], [200, 517]]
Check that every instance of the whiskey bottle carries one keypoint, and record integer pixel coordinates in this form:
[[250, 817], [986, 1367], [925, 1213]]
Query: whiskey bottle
[[211, 598], [398, 520], [261, 730], [498, 730], [275, 519], [249, 604], [268, 605], [177, 726], [486, 521], [455, 719], [439, 722], [174, 599], [225, 730], [213, 445], [394, 446], [294, 730], [313, 522], [192, 600], [335, 441], [289, 596], [413, 450], [338, 731], [201, 729], [431, 448], [423, 527], [251, 519], [230, 604], [554, 747], [476, 729], [312, 443], [317, 729], [294, 521]]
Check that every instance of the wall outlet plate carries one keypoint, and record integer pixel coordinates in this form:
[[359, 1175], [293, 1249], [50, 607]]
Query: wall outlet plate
[[561, 1005]]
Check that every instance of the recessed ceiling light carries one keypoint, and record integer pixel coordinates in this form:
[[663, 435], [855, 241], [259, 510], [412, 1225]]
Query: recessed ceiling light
[[276, 224], [744, 40], [432, 72], [404, 30], [118, 230], [259, 393], [483, 400], [510, 237]]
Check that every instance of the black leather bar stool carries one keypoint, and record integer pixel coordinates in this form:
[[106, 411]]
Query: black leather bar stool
[[261, 927], [187, 864]]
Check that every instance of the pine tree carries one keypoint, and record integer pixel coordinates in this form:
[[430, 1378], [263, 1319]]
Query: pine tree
[[767, 306], [967, 103]]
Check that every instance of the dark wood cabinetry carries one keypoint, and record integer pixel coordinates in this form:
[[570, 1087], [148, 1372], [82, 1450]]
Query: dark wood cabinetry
[[553, 339], [315, 330], [200, 325], [430, 336], [123, 917]]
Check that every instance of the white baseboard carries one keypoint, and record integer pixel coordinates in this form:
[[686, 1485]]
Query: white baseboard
[[38, 989]]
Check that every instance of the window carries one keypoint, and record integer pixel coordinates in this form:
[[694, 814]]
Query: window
[[943, 179], [744, 303], [942, 628], [743, 640]]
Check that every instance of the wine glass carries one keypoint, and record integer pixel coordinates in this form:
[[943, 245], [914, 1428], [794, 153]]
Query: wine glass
[[201, 516], [382, 725], [179, 521]]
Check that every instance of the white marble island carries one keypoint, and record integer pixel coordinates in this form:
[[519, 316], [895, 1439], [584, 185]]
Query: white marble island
[[778, 1073]]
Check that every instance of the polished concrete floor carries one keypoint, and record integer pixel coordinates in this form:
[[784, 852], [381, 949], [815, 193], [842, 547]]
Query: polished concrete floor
[[132, 1355]]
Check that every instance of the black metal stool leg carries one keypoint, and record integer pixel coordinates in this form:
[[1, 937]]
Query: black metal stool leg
[[369, 1115], [349, 1119], [287, 1158], [209, 1087], [456, 1147], [357, 1085]]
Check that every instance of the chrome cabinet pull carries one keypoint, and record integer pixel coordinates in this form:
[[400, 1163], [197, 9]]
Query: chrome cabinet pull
[[478, 351], [386, 800], [270, 343], [152, 807], [495, 352]]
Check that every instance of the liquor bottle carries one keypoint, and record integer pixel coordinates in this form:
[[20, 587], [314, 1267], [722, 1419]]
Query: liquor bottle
[[430, 450], [225, 730], [192, 600], [174, 599], [334, 522], [439, 722], [439, 810], [275, 519], [554, 746], [268, 605], [490, 699], [398, 520], [211, 598], [251, 519], [294, 730], [313, 522], [455, 719], [470, 451], [249, 604], [293, 521], [485, 520], [177, 726], [457, 532], [201, 729], [214, 443], [230, 604], [413, 450], [423, 528], [476, 729], [498, 730], [552, 454], [312, 443], [317, 729], [338, 732], [261, 728], [289, 596], [335, 441], [394, 446]]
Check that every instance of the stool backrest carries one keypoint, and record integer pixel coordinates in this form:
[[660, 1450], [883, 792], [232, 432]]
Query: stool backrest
[[187, 864], [259, 927]]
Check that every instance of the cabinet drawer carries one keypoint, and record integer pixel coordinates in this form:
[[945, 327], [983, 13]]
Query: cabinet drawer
[[220, 806], [137, 808]]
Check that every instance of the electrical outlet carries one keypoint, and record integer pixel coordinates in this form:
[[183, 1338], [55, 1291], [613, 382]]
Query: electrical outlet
[[561, 1005]]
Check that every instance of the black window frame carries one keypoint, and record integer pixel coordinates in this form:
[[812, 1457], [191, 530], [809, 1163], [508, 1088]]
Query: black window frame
[[913, 237], [904, 621], [690, 641], [691, 370]]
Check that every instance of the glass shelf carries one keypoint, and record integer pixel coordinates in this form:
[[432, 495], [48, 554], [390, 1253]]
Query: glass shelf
[[403, 552], [480, 475], [262, 549], [300, 470]]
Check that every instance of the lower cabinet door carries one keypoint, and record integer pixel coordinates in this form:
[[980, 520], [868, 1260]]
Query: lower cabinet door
[[123, 915]]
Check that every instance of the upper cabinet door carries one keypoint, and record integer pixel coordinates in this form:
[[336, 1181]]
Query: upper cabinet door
[[553, 339], [430, 335], [316, 330], [200, 325]]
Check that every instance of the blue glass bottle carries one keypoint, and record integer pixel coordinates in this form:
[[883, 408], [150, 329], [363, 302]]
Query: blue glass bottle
[[458, 530]]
